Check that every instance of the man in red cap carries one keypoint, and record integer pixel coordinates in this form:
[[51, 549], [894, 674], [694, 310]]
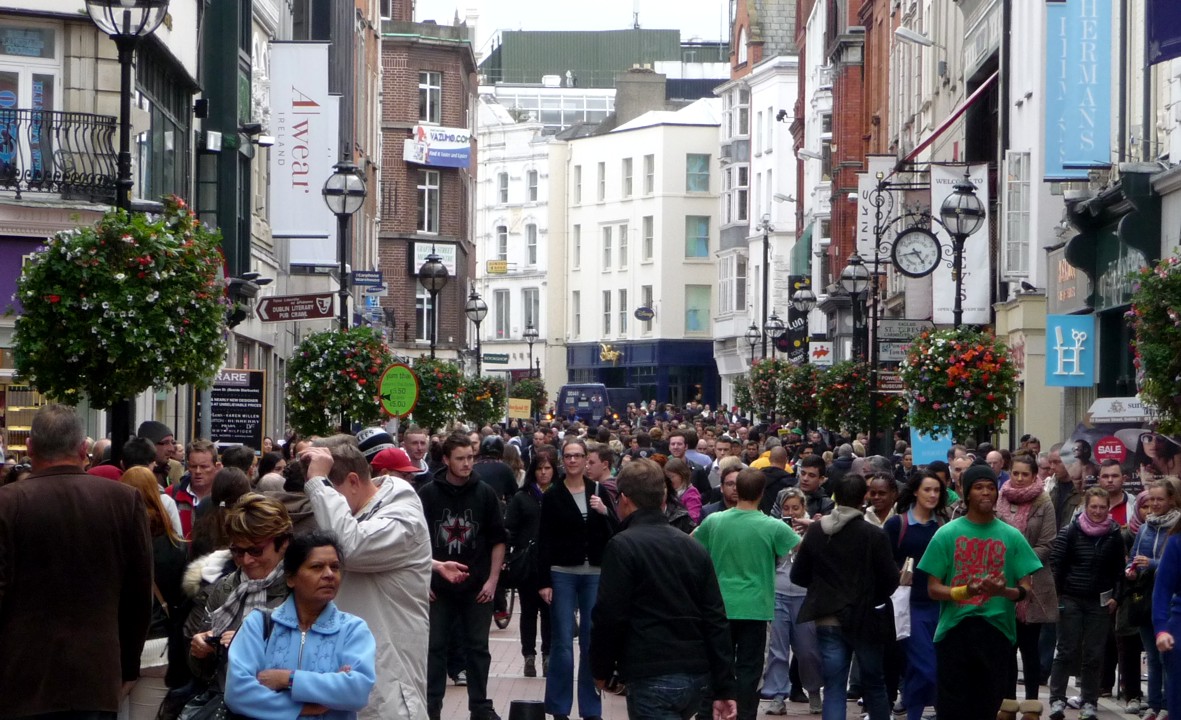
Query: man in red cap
[[394, 461]]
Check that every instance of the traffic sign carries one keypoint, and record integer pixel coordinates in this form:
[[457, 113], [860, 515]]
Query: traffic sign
[[892, 351], [399, 390], [902, 328], [889, 383], [295, 307]]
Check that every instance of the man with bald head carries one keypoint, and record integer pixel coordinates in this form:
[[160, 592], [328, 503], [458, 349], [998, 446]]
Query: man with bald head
[[996, 460], [778, 478]]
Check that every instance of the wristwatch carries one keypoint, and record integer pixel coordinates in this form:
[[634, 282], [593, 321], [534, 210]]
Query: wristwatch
[[290, 680]]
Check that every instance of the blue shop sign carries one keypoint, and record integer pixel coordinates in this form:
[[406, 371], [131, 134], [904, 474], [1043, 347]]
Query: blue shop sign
[[1070, 350]]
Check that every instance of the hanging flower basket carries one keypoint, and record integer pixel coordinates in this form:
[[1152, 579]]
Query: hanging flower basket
[[958, 381], [334, 374], [742, 396], [797, 392], [484, 400], [766, 376], [1156, 320], [440, 393], [134, 302], [842, 396], [532, 389]]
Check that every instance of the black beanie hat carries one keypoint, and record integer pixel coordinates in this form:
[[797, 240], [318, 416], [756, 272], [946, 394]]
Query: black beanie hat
[[153, 430], [975, 474]]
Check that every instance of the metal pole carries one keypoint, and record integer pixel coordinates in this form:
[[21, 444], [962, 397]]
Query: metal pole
[[874, 356], [766, 284], [122, 413], [957, 271], [479, 356], [434, 319], [342, 232], [530, 359]]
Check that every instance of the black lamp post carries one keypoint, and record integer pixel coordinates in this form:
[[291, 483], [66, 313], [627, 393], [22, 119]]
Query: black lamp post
[[766, 228], [855, 280], [531, 336], [344, 192], [772, 329], [476, 310], [126, 22], [753, 336], [962, 214], [433, 276]]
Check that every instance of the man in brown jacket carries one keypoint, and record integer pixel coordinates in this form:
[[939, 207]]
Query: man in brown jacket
[[75, 581]]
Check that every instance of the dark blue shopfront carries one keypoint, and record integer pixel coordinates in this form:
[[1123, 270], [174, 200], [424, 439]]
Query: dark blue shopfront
[[671, 371]]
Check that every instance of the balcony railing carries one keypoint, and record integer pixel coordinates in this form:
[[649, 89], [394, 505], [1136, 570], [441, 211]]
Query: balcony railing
[[66, 153]]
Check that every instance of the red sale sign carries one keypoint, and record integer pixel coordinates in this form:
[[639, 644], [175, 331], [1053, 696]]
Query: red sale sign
[[1110, 447]]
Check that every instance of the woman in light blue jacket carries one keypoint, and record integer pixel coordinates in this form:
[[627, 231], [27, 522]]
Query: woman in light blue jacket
[[307, 657]]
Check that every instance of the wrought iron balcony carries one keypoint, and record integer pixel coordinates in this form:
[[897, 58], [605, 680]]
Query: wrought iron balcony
[[66, 153]]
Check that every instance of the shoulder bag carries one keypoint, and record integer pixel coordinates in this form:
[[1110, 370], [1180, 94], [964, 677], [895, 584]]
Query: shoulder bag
[[211, 704]]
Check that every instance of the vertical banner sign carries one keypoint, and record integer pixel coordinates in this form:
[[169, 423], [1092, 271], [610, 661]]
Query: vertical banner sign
[[1070, 350], [797, 324], [1164, 30], [976, 267], [1078, 86], [867, 182], [305, 123]]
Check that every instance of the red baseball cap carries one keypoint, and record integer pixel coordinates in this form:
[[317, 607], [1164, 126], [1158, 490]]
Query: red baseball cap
[[394, 459]]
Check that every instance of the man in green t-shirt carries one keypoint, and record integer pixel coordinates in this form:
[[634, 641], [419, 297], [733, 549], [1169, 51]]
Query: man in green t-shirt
[[979, 567], [745, 546]]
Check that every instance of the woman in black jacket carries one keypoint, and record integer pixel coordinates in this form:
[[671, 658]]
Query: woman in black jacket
[[522, 520], [577, 520], [1088, 564]]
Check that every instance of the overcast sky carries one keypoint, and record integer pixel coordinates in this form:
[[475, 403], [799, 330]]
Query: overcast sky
[[705, 19]]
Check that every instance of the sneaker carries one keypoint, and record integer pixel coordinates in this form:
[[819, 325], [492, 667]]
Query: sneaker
[[1133, 707], [815, 704], [1088, 712], [776, 706], [1150, 715], [530, 666], [461, 678], [1074, 701], [1057, 710], [797, 696], [899, 708], [502, 619]]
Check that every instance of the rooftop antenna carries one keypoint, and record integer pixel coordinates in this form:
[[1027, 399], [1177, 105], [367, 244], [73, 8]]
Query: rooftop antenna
[[635, 14]]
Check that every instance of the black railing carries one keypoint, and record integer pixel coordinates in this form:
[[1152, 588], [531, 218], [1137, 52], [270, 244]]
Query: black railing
[[67, 153]]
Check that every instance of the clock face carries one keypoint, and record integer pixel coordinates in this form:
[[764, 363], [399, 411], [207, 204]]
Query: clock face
[[916, 252]]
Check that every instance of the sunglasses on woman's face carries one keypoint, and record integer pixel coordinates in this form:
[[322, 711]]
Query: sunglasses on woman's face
[[254, 551]]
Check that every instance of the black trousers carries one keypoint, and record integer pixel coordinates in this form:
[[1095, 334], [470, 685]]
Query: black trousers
[[968, 658], [533, 608], [749, 638], [1028, 640], [446, 610]]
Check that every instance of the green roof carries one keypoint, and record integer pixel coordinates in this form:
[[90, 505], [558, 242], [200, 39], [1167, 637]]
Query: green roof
[[592, 57]]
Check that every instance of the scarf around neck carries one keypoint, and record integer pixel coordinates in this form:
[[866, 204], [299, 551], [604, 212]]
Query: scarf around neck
[[1166, 521], [1091, 528], [248, 595], [1016, 504]]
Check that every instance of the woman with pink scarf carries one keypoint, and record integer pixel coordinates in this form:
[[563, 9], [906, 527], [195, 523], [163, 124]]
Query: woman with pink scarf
[[1024, 504], [1088, 563]]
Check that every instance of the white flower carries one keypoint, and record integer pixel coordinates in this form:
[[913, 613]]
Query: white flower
[[120, 277]]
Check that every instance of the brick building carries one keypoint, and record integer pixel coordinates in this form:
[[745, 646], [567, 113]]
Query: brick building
[[428, 95]]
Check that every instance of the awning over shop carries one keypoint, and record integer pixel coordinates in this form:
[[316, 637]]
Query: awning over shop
[[951, 119], [801, 254]]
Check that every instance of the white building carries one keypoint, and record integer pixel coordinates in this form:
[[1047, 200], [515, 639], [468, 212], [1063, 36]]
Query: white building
[[640, 233]]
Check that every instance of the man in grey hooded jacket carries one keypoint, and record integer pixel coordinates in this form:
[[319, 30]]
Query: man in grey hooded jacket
[[387, 554]]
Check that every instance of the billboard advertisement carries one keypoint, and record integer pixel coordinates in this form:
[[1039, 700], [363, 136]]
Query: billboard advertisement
[[435, 146]]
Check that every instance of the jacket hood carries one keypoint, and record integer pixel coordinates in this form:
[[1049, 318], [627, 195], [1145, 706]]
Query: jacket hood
[[836, 520], [440, 477], [205, 570], [298, 505]]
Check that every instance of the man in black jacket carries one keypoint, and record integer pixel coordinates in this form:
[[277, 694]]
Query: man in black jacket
[[659, 620], [778, 478], [464, 518]]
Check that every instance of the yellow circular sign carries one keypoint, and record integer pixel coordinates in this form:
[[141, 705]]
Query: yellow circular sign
[[399, 390]]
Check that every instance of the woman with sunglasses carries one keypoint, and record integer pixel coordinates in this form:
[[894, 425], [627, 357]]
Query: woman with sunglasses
[[259, 529]]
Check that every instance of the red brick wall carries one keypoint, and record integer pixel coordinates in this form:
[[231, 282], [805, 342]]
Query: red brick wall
[[879, 26]]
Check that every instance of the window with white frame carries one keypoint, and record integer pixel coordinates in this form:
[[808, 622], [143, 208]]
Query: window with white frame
[[576, 313], [646, 301], [424, 314], [607, 242], [577, 184], [697, 299], [627, 177], [649, 174], [696, 236], [623, 312], [601, 194], [530, 244], [623, 258], [741, 193], [606, 313], [428, 201], [503, 312], [742, 111], [531, 185], [531, 303], [430, 97], [739, 283], [576, 247], [726, 284], [727, 195], [696, 172], [648, 230], [758, 139], [502, 188], [387, 9], [502, 242], [1016, 227]]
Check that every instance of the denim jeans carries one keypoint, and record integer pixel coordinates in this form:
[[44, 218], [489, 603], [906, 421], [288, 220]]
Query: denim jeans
[[447, 609], [571, 592], [920, 683], [789, 636], [1156, 670], [836, 655], [665, 697], [1083, 625]]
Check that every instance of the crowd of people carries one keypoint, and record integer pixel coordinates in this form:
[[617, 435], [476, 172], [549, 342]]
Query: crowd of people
[[707, 565]]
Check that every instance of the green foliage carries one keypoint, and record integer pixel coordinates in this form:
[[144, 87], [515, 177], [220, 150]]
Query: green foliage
[[1156, 319], [765, 379], [534, 390], [958, 381], [742, 396], [133, 302], [485, 400], [334, 373], [842, 396], [440, 393], [797, 392]]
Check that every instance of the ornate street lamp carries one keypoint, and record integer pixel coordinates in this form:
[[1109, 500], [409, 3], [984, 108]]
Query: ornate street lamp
[[855, 281], [531, 336], [753, 336], [962, 214], [476, 310], [772, 329], [433, 276], [804, 300], [344, 193]]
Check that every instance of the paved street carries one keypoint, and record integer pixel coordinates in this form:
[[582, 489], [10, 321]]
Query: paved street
[[507, 684]]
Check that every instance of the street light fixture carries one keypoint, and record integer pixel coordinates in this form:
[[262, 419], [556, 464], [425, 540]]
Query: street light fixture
[[126, 22], [531, 336], [344, 193], [765, 227], [753, 336], [855, 281], [476, 310], [433, 276], [962, 214], [772, 329], [804, 300]]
